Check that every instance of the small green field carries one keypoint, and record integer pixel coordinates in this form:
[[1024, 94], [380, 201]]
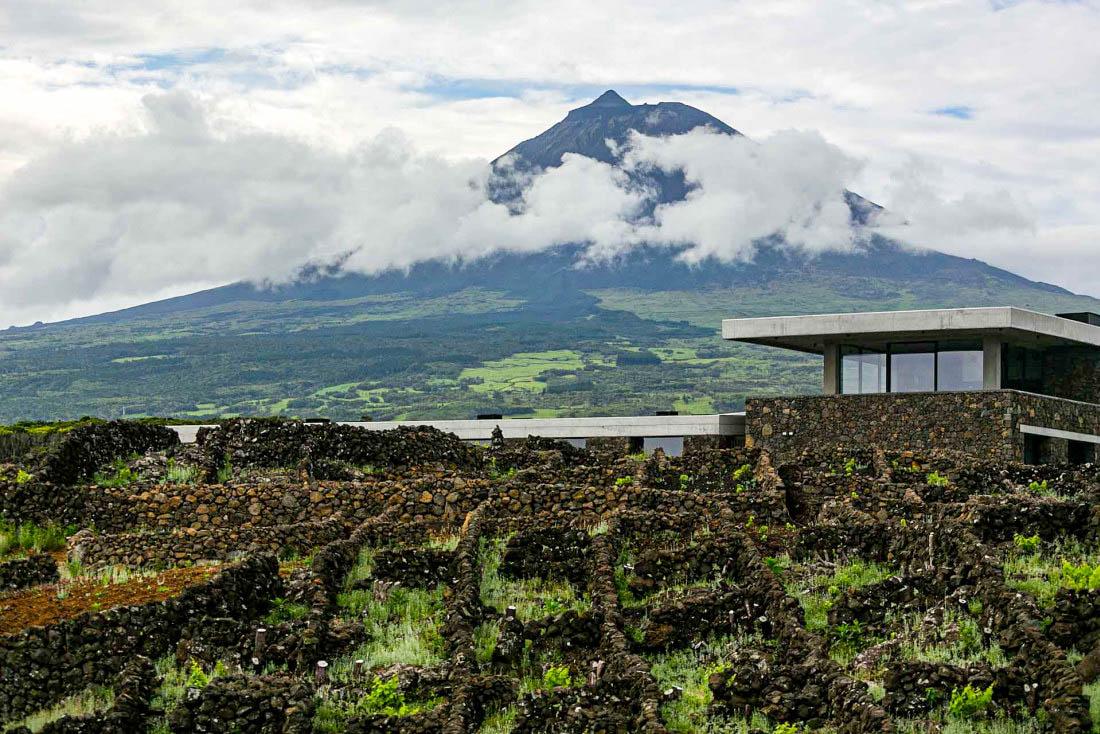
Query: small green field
[[518, 372]]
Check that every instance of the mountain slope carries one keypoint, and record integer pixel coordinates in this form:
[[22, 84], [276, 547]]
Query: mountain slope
[[520, 333]]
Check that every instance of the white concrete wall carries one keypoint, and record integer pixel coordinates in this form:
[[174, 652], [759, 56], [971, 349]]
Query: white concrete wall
[[645, 426]]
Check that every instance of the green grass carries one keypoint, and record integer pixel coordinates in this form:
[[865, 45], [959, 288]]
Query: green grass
[[500, 722], [1092, 690], [364, 565], [818, 592], [90, 701], [404, 627], [533, 598], [443, 542], [700, 405], [180, 474], [120, 475], [947, 725], [682, 668], [285, 611], [518, 372], [666, 593], [933, 644], [1041, 573], [485, 640], [16, 540]]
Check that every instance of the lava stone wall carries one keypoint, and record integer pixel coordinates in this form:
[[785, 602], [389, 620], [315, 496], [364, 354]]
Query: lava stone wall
[[277, 442], [1072, 373], [980, 423], [418, 496], [30, 571], [162, 548], [85, 449]]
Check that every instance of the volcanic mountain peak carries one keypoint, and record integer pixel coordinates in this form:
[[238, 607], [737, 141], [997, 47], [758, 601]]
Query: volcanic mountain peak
[[586, 130], [610, 98]]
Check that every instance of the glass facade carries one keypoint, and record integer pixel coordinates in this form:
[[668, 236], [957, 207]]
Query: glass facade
[[960, 368], [1023, 369], [862, 371], [912, 367]]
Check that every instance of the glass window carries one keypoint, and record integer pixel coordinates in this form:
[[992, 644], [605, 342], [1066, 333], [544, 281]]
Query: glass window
[[960, 366], [862, 371], [1023, 369], [913, 367]]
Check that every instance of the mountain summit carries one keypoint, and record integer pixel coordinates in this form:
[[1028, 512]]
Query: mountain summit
[[587, 130], [610, 98]]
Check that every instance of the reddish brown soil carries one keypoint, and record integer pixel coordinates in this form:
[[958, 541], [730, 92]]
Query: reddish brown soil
[[40, 605]]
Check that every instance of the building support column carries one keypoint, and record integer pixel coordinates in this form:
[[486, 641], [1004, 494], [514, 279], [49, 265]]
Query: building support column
[[830, 379], [991, 363]]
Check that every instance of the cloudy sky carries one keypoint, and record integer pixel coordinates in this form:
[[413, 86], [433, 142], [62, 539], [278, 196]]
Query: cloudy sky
[[151, 148]]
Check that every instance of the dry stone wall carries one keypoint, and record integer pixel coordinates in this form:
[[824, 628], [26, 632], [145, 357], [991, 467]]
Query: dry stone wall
[[85, 449], [163, 548], [694, 556], [276, 442], [33, 570]]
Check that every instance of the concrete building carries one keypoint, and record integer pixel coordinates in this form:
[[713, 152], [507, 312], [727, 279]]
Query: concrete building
[[1006, 382]]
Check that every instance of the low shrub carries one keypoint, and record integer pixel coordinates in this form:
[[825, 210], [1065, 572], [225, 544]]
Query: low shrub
[[1079, 577], [285, 611], [1026, 543], [935, 479], [557, 676], [970, 702], [1040, 488], [385, 698]]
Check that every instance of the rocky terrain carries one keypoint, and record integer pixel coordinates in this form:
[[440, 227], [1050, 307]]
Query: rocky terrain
[[284, 577]]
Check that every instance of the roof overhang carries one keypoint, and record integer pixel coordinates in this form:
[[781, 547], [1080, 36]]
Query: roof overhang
[[879, 328]]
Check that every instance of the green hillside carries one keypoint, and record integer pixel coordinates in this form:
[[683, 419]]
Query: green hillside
[[404, 355]]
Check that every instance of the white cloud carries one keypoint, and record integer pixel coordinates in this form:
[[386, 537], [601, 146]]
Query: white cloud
[[305, 84], [117, 214], [791, 183]]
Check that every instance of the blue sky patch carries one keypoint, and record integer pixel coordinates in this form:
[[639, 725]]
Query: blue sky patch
[[461, 89], [180, 59], [959, 112]]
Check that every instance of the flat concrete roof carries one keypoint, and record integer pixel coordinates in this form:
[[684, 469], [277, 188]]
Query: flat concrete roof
[[642, 426], [877, 328]]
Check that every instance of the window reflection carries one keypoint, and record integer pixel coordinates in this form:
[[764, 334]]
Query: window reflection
[[912, 367], [960, 367], [862, 371]]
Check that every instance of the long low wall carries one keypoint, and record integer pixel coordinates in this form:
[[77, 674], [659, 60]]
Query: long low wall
[[644, 426], [991, 424]]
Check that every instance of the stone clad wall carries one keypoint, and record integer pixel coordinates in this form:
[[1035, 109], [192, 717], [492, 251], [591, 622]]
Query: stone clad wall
[[981, 423], [1073, 373]]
